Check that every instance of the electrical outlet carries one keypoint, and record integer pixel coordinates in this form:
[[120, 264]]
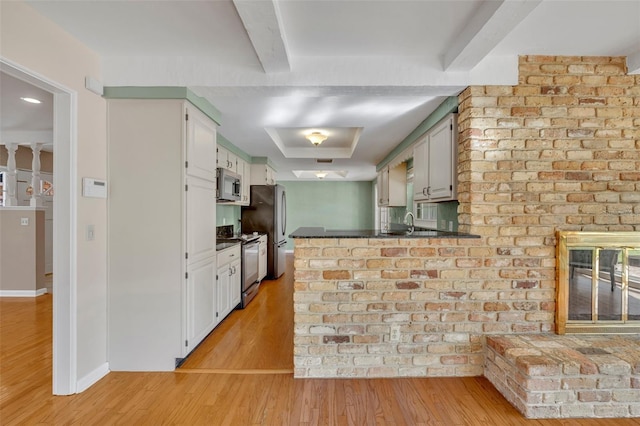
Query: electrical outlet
[[394, 335], [24, 221]]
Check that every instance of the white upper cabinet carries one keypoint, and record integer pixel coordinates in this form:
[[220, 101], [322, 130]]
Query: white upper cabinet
[[262, 174], [392, 186], [435, 160], [244, 169], [420, 169], [227, 159], [201, 146]]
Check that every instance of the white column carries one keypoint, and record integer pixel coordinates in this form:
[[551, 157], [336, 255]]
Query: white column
[[11, 183], [36, 198]]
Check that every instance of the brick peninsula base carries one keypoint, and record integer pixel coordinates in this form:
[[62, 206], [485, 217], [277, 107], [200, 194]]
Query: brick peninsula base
[[551, 376], [390, 307]]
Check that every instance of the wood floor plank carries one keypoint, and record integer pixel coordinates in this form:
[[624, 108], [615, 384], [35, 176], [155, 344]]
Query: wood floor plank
[[256, 390]]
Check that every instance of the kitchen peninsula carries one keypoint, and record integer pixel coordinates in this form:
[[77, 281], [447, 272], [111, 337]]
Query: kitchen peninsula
[[319, 232], [374, 304]]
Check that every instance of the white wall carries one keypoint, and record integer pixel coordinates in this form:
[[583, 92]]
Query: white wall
[[33, 42]]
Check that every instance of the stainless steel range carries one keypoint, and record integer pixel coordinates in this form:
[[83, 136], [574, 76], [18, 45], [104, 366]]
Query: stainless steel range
[[250, 252]]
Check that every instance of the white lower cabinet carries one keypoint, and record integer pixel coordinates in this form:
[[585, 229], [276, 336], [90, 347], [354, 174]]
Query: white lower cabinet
[[228, 281], [201, 299], [235, 293], [262, 258], [223, 285]]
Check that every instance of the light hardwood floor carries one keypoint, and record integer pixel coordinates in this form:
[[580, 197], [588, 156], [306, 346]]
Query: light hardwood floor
[[239, 376]]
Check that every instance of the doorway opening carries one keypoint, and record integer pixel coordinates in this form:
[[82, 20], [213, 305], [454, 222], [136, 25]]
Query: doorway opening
[[64, 217]]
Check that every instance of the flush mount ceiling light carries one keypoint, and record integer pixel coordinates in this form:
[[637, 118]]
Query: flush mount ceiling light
[[321, 175], [316, 138], [32, 100]]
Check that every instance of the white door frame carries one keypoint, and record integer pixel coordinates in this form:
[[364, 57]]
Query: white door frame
[[65, 114]]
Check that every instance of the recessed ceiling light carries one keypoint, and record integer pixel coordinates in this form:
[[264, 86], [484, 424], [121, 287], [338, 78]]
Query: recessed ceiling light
[[32, 100]]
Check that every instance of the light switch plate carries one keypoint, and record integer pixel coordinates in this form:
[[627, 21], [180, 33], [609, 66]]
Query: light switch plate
[[24, 221]]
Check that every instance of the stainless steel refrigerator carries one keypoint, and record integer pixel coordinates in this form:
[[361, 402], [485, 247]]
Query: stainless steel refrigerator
[[267, 213]]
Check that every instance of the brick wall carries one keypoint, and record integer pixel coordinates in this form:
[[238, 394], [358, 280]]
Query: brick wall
[[349, 293], [559, 151]]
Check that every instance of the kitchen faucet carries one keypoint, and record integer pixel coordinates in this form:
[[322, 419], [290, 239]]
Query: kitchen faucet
[[406, 221]]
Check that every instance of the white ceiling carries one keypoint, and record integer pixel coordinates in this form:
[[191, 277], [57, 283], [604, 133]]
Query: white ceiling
[[381, 65], [22, 122]]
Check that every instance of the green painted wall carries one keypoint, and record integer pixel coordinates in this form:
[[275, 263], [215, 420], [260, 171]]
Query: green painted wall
[[329, 204], [228, 215]]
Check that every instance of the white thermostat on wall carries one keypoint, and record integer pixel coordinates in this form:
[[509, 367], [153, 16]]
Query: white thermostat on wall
[[94, 188]]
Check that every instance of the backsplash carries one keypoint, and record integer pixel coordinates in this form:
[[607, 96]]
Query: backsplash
[[447, 212], [228, 215]]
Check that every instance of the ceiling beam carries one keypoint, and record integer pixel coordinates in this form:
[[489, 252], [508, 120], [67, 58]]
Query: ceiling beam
[[261, 20], [488, 27], [633, 63]]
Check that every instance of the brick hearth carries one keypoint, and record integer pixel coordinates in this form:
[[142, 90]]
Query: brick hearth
[[551, 376]]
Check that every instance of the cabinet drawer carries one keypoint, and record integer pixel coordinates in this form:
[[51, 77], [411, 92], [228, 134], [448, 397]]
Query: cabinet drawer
[[228, 255]]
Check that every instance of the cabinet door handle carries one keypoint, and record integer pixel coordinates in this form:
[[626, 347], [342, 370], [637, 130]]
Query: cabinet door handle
[[423, 191], [428, 190]]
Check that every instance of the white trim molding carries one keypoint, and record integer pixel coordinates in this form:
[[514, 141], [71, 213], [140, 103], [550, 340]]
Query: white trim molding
[[65, 310], [23, 293], [92, 378]]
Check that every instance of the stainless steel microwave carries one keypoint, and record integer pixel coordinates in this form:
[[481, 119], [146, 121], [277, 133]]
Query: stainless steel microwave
[[228, 185]]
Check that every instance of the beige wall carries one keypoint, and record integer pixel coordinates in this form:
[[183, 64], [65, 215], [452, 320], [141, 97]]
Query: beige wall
[[32, 41], [24, 158], [21, 249], [559, 151]]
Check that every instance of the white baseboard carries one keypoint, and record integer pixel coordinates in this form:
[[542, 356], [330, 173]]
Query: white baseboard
[[87, 381], [23, 293]]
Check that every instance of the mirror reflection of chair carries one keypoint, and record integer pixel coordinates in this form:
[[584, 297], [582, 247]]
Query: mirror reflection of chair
[[583, 259]]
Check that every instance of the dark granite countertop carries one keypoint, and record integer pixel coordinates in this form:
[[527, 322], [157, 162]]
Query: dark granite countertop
[[226, 245], [319, 232]]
